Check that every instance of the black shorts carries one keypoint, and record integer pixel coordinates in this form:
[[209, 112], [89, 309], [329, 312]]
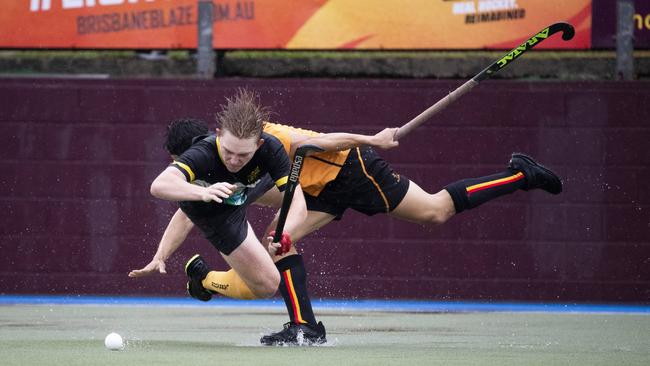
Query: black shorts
[[224, 226], [366, 183]]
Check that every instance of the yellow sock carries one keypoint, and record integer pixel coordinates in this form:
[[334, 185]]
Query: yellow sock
[[228, 284]]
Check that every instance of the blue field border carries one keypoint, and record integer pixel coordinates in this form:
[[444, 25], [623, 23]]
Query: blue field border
[[328, 304]]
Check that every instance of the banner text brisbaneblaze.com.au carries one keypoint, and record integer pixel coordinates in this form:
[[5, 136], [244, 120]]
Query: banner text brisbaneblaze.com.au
[[138, 20]]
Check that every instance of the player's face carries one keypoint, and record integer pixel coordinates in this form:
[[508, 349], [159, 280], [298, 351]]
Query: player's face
[[237, 152]]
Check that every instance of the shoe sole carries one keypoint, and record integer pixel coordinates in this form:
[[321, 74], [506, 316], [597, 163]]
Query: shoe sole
[[276, 340], [532, 162], [318, 342]]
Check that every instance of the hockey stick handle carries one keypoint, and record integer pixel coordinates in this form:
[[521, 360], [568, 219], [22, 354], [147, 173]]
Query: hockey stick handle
[[292, 183], [567, 33], [439, 106]]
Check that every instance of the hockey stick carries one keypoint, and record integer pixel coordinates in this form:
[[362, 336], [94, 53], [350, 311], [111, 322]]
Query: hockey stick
[[294, 175], [567, 34]]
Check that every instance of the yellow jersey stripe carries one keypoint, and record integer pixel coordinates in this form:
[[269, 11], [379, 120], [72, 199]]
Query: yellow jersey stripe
[[282, 181], [219, 149], [187, 169]]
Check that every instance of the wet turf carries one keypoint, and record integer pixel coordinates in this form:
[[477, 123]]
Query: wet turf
[[73, 335]]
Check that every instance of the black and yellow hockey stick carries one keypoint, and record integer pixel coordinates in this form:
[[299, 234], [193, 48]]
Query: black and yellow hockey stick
[[567, 34], [292, 183]]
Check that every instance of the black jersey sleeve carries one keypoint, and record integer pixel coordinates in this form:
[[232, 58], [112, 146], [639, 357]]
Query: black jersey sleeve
[[277, 161], [195, 162]]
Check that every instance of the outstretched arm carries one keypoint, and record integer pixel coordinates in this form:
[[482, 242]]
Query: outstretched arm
[[175, 234], [171, 185], [342, 141]]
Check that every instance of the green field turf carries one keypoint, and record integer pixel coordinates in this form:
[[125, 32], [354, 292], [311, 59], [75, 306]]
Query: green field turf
[[73, 335]]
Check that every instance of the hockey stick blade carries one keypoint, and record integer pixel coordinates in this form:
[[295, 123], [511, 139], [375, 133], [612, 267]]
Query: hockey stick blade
[[567, 34], [292, 183]]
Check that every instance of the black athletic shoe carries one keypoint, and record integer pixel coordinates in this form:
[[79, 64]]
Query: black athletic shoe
[[196, 269], [296, 335], [537, 176]]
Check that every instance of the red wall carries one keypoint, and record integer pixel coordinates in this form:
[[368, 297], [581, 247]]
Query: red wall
[[77, 158]]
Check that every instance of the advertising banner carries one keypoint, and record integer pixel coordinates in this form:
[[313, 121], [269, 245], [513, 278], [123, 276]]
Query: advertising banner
[[290, 24], [604, 29]]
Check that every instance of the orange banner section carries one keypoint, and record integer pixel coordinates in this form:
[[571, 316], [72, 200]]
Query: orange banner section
[[279, 24]]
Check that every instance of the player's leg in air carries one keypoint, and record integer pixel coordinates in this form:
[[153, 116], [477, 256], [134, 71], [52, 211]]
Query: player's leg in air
[[522, 173]]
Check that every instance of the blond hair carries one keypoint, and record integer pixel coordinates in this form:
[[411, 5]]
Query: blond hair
[[242, 115]]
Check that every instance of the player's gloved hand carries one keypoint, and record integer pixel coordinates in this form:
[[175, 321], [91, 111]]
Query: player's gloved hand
[[284, 244]]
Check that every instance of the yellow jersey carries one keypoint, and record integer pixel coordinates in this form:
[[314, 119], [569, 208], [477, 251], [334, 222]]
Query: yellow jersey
[[318, 169]]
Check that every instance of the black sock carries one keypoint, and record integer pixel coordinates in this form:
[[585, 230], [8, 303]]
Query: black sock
[[473, 192], [293, 287]]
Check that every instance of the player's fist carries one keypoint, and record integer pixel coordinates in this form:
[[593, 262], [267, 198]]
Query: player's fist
[[217, 192], [385, 139], [285, 243]]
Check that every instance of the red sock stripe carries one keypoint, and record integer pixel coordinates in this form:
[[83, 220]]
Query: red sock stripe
[[288, 281], [494, 183]]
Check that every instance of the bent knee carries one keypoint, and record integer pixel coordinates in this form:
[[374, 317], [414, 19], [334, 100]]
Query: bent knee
[[267, 287], [426, 209], [439, 218], [441, 210], [434, 217]]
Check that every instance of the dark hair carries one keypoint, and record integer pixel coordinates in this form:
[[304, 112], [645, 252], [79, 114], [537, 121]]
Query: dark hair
[[181, 132], [243, 116]]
